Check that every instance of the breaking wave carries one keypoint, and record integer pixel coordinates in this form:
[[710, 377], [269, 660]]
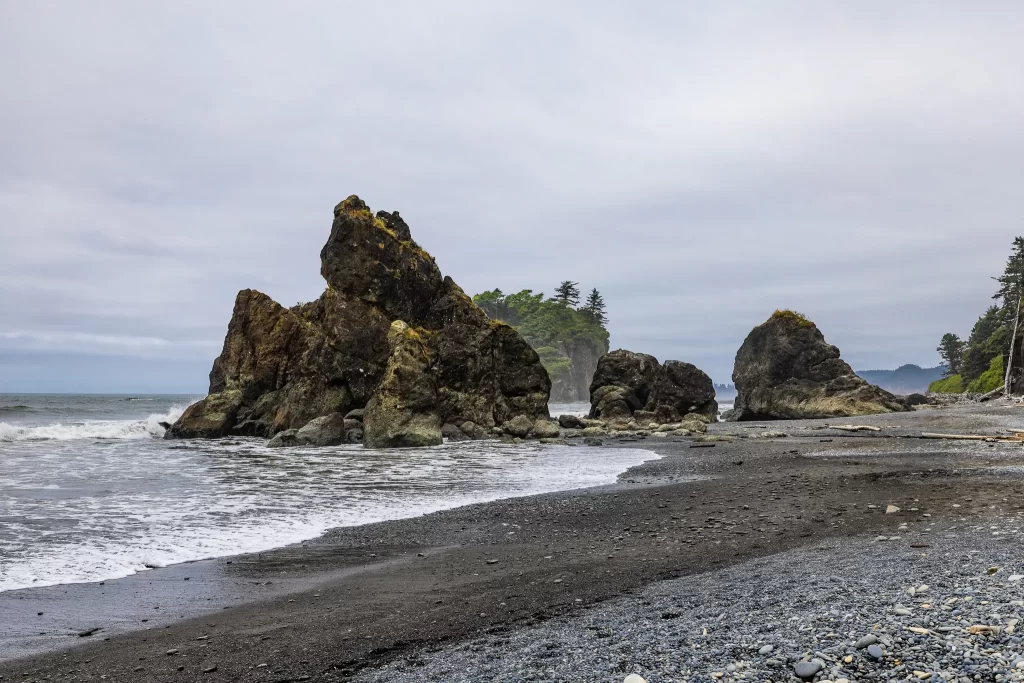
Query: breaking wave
[[98, 429]]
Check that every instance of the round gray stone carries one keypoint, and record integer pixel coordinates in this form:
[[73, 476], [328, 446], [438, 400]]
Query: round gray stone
[[875, 651], [807, 670]]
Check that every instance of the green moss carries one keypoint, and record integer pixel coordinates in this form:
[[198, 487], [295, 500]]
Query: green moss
[[991, 379], [953, 384], [786, 314]]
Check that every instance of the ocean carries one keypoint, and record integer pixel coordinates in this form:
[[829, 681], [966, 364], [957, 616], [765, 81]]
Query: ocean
[[90, 490]]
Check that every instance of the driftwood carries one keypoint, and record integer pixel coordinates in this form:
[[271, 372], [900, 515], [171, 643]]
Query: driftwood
[[974, 437], [995, 393], [855, 428]]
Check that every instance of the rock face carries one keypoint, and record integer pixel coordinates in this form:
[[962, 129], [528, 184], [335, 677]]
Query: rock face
[[626, 382], [282, 367], [404, 410], [786, 370]]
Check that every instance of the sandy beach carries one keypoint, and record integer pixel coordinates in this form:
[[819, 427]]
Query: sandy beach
[[384, 595]]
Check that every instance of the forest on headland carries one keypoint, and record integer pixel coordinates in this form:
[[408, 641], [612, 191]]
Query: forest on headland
[[568, 333], [978, 364]]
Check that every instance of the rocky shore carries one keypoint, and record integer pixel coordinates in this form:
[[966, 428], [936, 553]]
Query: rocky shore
[[713, 532]]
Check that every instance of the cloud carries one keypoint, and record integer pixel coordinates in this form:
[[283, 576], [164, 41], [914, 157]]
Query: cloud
[[700, 163]]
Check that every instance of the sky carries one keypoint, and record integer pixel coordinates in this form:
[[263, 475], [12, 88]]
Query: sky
[[700, 163]]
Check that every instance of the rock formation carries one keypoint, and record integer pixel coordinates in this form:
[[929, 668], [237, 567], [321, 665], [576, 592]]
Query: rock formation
[[404, 408], [281, 367], [626, 382], [786, 370]]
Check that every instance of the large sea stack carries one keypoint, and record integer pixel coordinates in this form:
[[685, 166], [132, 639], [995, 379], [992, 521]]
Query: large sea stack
[[283, 367], [785, 370], [626, 383]]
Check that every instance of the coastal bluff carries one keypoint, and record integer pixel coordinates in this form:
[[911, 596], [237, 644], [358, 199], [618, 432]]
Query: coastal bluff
[[281, 368], [785, 370]]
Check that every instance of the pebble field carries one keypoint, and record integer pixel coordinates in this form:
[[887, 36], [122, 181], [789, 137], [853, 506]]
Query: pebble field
[[935, 605]]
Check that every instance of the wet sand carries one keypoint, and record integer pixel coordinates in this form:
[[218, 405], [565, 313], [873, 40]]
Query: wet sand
[[359, 597]]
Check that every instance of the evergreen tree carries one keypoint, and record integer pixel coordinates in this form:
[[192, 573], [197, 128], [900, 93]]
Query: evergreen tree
[[1011, 283], [568, 293], [951, 350], [595, 308]]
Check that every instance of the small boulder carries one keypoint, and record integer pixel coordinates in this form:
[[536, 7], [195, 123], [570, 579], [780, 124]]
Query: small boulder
[[693, 425], [328, 430], [593, 441], [646, 417], [545, 429], [453, 433], [519, 426], [356, 414], [473, 430], [284, 439], [570, 422]]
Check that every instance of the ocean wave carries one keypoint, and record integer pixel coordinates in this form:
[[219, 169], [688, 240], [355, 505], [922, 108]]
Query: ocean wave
[[114, 429], [19, 409]]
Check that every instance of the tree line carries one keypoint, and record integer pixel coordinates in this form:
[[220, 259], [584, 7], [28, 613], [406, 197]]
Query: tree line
[[978, 364]]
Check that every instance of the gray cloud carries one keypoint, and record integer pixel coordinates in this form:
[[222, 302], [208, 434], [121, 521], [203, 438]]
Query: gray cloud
[[702, 164]]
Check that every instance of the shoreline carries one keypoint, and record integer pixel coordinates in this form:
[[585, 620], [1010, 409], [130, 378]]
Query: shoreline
[[358, 597]]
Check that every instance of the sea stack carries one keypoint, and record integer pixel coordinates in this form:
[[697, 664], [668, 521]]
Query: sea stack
[[785, 370], [282, 367], [626, 383]]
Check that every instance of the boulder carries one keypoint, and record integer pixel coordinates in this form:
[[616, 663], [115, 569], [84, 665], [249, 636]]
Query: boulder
[[284, 439], [473, 430], [282, 367], [453, 433], [355, 414], [404, 410], [545, 429], [570, 422], [328, 430], [786, 370], [628, 383], [519, 427]]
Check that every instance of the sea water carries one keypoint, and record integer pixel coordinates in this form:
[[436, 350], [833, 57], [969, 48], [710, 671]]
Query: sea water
[[90, 490]]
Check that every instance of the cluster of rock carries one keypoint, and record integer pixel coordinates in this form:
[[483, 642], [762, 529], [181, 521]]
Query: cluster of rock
[[390, 335], [785, 370], [630, 385]]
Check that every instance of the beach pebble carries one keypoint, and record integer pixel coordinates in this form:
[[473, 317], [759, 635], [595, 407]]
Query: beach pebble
[[891, 509], [875, 652], [633, 678], [766, 649], [808, 670], [869, 639]]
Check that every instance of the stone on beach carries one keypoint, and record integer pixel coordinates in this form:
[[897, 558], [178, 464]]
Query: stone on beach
[[786, 370], [626, 384]]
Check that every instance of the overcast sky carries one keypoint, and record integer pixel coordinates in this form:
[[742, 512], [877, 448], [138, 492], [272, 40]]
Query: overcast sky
[[701, 163]]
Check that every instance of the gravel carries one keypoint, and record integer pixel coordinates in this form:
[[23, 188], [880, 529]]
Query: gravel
[[933, 612]]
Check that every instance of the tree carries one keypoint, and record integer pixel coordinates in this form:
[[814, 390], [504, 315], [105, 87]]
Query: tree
[[951, 350], [568, 293], [594, 308], [1011, 283]]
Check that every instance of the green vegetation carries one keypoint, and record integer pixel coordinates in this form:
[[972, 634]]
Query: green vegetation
[[978, 365], [954, 384], [991, 379], [785, 313], [568, 338]]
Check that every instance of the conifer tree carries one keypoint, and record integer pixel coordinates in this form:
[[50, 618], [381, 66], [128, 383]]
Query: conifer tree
[[595, 308], [951, 350], [568, 293]]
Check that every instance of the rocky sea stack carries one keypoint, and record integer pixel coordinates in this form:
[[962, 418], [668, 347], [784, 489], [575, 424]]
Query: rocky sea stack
[[447, 363], [785, 370], [635, 385]]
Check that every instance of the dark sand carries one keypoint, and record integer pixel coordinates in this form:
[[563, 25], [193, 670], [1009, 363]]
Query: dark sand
[[360, 596]]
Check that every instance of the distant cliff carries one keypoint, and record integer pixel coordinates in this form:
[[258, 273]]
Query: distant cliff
[[906, 379], [568, 338]]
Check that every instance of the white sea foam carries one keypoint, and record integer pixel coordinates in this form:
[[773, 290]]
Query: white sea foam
[[93, 429], [125, 506]]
